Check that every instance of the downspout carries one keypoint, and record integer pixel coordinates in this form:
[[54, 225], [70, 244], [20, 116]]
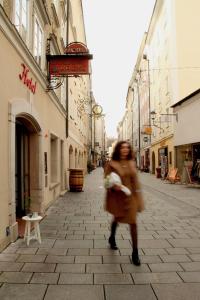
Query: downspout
[[67, 81]]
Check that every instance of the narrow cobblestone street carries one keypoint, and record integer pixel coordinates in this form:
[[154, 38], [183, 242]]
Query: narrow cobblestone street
[[74, 261]]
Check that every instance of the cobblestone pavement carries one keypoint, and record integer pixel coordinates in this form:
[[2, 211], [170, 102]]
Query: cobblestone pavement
[[74, 261]]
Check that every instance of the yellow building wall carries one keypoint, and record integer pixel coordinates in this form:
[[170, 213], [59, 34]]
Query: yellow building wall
[[188, 45]]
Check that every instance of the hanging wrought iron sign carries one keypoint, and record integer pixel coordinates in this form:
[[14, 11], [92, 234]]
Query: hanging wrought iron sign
[[74, 62]]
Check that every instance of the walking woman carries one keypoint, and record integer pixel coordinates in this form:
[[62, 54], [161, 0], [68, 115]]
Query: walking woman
[[124, 208]]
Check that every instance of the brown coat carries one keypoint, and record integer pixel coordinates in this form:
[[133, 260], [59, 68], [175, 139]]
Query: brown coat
[[124, 208]]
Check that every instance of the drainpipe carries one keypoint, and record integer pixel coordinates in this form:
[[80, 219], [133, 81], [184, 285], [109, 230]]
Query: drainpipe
[[139, 143], [67, 81]]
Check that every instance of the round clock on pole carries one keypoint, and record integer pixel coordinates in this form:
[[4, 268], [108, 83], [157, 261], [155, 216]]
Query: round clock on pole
[[97, 109]]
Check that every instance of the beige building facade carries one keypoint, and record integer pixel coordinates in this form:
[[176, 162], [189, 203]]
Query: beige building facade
[[167, 71], [44, 132]]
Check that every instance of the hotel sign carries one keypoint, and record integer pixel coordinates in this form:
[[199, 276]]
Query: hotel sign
[[25, 78]]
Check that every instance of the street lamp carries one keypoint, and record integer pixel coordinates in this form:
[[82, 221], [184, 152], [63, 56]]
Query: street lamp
[[153, 117]]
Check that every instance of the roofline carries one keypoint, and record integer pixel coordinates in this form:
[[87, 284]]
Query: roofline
[[186, 98]]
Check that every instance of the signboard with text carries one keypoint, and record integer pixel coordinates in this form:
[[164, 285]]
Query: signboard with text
[[74, 62], [63, 65]]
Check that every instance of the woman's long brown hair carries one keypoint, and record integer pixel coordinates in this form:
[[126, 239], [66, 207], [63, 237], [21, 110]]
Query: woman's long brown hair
[[116, 152]]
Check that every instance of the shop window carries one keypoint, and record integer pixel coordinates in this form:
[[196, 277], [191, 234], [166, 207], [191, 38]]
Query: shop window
[[38, 33], [54, 159], [21, 17]]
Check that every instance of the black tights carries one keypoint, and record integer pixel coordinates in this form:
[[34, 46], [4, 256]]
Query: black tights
[[133, 231]]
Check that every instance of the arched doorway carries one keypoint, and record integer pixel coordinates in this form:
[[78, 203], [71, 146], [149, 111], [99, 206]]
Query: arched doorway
[[28, 185], [153, 163]]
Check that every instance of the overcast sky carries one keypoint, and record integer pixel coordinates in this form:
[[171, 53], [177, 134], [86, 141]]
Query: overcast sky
[[114, 31]]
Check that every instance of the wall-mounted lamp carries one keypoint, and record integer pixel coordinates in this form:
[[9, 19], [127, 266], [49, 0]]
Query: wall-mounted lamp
[[153, 117]]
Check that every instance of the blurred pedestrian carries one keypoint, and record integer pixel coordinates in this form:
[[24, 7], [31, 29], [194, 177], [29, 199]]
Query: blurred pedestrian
[[124, 208]]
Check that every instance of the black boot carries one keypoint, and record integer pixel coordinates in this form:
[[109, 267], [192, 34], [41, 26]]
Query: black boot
[[111, 239], [112, 243], [135, 258]]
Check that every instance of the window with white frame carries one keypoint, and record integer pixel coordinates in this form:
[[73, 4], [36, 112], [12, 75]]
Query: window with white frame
[[37, 43], [21, 17]]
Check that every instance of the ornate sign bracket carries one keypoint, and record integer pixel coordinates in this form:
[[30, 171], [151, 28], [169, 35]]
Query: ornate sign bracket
[[74, 63]]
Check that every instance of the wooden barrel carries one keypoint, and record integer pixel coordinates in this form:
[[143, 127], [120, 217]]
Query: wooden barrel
[[76, 180]]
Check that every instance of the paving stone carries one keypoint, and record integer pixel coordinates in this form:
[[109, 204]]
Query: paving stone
[[165, 267], [191, 266], [31, 258], [104, 244], [194, 257], [27, 251], [104, 252], [190, 276], [52, 251], [79, 252], [153, 244], [194, 250], [184, 242], [103, 268], [38, 267], [146, 259], [73, 244], [46, 243], [119, 292], [74, 237], [129, 251], [59, 259], [112, 279], [178, 291], [116, 259], [66, 278], [130, 268], [88, 259], [147, 278], [70, 268], [22, 291], [10, 266], [15, 277], [81, 231], [154, 251], [94, 237], [8, 257], [74, 292], [46, 278], [175, 258], [141, 237], [10, 250], [177, 251]]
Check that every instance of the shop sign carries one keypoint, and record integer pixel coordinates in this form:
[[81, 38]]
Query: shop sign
[[74, 62], [147, 130], [76, 47], [24, 77], [62, 65]]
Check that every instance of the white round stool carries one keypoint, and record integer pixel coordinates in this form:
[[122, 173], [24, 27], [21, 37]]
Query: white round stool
[[36, 226]]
